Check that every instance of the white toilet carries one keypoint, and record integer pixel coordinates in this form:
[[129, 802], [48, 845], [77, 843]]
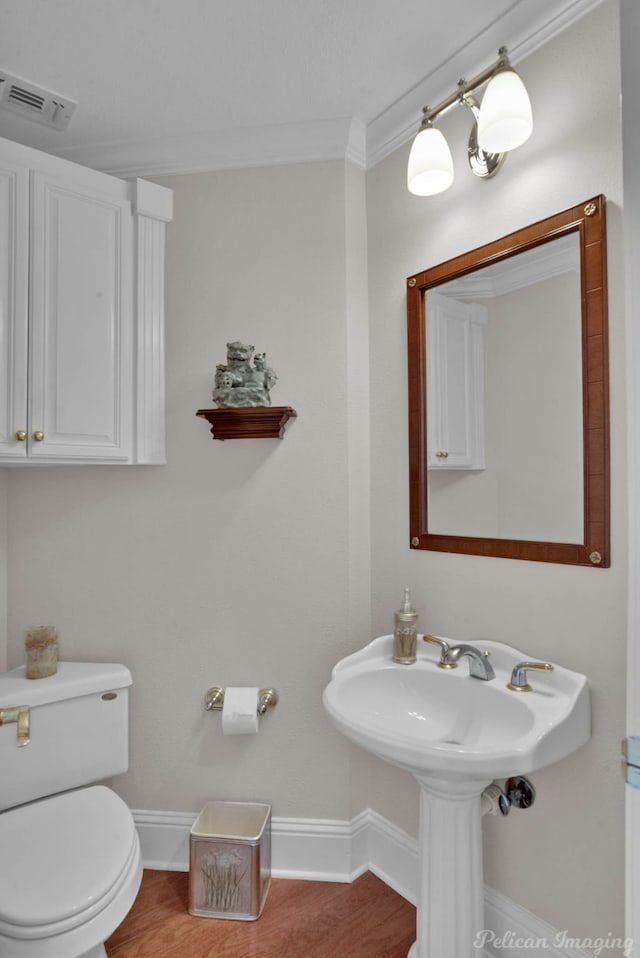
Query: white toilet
[[70, 865]]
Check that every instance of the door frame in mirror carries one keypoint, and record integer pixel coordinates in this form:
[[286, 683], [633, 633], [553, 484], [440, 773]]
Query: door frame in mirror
[[588, 221]]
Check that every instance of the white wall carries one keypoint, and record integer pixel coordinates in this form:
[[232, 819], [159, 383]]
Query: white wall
[[248, 562], [238, 563], [563, 859]]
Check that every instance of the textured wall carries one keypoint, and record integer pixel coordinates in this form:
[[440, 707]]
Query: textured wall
[[573, 616]]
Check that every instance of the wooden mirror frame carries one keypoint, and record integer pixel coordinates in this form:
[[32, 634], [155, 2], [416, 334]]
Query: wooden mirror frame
[[588, 221]]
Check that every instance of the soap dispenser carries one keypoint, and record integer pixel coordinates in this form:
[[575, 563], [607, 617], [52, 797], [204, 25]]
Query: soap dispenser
[[405, 634]]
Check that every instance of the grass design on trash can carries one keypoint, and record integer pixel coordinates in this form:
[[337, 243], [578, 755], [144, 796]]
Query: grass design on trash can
[[222, 874]]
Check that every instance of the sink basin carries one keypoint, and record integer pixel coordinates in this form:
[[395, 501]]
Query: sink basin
[[432, 720], [455, 734]]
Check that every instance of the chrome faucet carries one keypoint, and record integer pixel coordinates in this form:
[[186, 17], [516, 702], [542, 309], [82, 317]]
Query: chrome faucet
[[479, 665]]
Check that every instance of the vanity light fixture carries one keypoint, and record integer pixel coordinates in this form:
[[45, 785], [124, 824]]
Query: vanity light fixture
[[501, 123]]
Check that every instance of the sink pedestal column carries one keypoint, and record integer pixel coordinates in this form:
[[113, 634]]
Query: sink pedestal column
[[450, 910]]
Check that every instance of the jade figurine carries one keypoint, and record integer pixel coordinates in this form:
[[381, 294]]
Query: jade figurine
[[244, 380]]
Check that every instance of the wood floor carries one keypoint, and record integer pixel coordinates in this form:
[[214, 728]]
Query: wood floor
[[301, 919]]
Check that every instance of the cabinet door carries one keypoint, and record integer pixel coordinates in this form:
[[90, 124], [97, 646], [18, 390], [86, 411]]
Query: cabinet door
[[80, 378], [455, 383], [14, 266]]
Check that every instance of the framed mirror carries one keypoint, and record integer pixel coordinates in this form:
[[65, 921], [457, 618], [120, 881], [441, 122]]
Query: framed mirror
[[508, 396]]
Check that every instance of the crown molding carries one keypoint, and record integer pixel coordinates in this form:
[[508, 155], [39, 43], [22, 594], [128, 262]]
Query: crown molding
[[342, 138], [556, 258], [399, 123], [337, 139]]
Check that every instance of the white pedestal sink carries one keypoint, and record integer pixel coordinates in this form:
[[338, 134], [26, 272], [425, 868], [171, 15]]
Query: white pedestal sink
[[456, 734]]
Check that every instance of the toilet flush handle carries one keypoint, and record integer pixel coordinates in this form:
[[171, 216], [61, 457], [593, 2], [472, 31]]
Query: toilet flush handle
[[20, 715]]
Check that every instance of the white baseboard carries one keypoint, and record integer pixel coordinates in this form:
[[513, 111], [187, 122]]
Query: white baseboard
[[326, 850], [516, 931], [164, 839]]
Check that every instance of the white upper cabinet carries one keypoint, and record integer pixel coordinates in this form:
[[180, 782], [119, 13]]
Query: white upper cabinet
[[455, 383], [14, 305], [82, 313], [80, 369]]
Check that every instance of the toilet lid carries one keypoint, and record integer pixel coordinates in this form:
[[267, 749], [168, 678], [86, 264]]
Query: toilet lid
[[61, 855]]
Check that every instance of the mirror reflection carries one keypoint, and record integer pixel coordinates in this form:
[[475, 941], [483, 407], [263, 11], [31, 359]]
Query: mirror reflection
[[504, 395], [508, 395]]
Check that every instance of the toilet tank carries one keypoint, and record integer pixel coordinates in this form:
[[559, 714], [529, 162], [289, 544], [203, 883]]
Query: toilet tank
[[78, 729]]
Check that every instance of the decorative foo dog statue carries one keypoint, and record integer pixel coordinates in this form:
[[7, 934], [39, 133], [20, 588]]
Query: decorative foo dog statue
[[239, 383]]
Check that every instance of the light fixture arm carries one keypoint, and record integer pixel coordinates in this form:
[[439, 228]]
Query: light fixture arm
[[482, 164], [469, 100], [466, 87], [503, 123]]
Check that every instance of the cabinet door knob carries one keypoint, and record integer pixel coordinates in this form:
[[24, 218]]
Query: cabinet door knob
[[442, 455], [38, 436], [21, 435]]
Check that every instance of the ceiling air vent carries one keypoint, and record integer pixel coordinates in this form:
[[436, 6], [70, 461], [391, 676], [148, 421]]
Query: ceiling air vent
[[34, 102]]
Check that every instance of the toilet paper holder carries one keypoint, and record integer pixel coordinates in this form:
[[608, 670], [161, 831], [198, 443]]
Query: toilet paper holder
[[214, 700]]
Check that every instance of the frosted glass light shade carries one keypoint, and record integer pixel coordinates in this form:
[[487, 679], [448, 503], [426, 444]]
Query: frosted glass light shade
[[430, 168], [505, 120]]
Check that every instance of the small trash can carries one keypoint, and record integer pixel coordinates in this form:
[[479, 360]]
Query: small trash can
[[230, 860]]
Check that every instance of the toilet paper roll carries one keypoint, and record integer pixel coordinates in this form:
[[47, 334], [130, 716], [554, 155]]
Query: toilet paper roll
[[240, 711]]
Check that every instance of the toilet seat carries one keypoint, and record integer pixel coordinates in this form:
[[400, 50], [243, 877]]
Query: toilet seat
[[71, 870]]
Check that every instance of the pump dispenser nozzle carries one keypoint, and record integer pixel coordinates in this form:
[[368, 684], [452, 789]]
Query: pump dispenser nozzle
[[405, 634]]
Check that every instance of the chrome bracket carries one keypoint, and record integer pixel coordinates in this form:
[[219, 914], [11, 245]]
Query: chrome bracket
[[267, 699], [214, 700], [482, 164], [20, 715]]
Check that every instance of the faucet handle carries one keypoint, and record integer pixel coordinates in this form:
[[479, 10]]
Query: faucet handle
[[519, 682], [444, 648]]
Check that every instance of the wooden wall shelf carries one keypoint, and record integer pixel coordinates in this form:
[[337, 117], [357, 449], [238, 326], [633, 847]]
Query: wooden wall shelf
[[248, 422]]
